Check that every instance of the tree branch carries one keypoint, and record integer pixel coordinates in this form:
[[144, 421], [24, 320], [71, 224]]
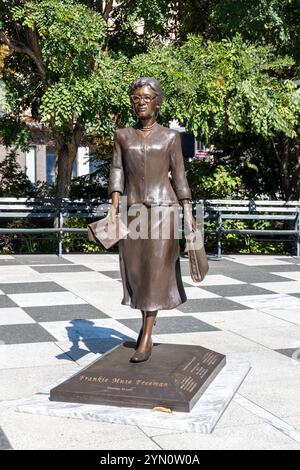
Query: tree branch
[[21, 48]]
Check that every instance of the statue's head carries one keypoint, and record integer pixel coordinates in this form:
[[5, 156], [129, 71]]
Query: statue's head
[[146, 97]]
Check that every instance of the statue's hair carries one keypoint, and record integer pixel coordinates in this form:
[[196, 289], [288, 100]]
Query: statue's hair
[[147, 81]]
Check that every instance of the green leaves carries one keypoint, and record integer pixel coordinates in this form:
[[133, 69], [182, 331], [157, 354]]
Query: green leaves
[[221, 87], [70, 34]]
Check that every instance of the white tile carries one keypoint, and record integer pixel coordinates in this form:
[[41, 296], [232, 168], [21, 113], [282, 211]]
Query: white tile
[[278, 396], [223, 342], [213, 280], [267, 301], [35, 432], [260, 261], [281, 287], [291, 315], [46, 298], [198, 293], [269, 418], [294, 275], [268, 365], [117, 311], [76, 330], [235, 320], [30, 355], [274, 337], [85, 352], [16, 269], [14, 316], [23, 382], [91, 259], [246, 437], [22, 277], [89, 290], [2, 293], [84, 277]]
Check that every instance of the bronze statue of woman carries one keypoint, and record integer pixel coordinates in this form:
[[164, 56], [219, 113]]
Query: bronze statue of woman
[[142, 157]]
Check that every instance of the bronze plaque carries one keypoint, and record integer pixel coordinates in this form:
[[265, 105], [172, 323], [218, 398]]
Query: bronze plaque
[[174, 377]]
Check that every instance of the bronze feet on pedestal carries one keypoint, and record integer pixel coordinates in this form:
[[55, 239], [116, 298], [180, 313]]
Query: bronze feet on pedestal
[[142, 356], [144, 343]]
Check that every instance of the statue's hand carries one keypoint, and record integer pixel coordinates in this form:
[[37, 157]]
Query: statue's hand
[[188, 218], [112, 212]]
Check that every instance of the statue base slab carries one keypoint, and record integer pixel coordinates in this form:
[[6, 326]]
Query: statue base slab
[[174, 378]]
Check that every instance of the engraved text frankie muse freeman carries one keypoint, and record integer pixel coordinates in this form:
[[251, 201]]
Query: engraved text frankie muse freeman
[[114, 382]]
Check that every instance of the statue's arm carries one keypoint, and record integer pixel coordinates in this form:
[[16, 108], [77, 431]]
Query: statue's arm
[[181, 185], [116, 176]]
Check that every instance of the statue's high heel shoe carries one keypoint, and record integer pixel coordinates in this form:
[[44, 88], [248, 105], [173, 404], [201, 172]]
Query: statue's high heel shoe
[[142, 356]]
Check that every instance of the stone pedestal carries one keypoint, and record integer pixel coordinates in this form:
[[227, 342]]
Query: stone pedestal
[[173, 378]]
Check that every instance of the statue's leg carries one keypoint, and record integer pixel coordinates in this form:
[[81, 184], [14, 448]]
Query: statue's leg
[[144, 349], [141, 330]]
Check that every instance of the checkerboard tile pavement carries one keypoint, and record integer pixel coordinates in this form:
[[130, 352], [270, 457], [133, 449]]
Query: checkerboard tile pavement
[[66, 312]]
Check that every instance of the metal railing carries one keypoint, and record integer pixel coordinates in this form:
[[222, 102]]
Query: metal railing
[[214, 210]]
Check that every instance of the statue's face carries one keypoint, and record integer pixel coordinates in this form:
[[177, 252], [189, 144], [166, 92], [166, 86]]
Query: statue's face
[[144, 102]]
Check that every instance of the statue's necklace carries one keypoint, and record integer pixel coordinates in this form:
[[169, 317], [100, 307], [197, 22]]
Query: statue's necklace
[[145, 129]]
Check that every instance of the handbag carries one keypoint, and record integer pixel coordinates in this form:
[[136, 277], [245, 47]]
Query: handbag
[[106, 231], [197, 256]]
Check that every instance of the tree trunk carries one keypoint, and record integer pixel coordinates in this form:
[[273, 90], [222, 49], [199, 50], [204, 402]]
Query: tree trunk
[[63, 168], [66, 151]]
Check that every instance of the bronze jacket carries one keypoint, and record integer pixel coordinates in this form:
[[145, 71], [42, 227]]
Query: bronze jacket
[[140, 166]]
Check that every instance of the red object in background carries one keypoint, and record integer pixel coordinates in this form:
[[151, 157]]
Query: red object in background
[[200, 154]]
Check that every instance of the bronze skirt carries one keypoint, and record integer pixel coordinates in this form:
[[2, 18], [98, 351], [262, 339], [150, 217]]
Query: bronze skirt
[[150, 259]]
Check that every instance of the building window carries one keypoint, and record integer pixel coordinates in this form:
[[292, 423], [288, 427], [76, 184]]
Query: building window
[[30, 164], [50, 166], [74, 168]]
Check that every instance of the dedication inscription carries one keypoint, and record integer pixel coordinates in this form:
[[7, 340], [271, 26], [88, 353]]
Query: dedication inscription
[[174, 377]]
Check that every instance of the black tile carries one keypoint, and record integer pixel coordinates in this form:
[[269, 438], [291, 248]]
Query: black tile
[[112, 274], [64, 312], [7, 302], [290, 352], [73, 268], [30, 287], [41, 259], [169, 325], [209, 305], [25, 333], [253, 276], [4, 442], [236, 289]]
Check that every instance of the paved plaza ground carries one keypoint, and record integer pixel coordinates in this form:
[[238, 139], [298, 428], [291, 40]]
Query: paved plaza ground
[[60, 313]]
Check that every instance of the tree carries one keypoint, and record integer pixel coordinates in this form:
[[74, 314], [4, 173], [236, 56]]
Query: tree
[[223, 87], [275, 23], [54, 47], [71, 63]]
